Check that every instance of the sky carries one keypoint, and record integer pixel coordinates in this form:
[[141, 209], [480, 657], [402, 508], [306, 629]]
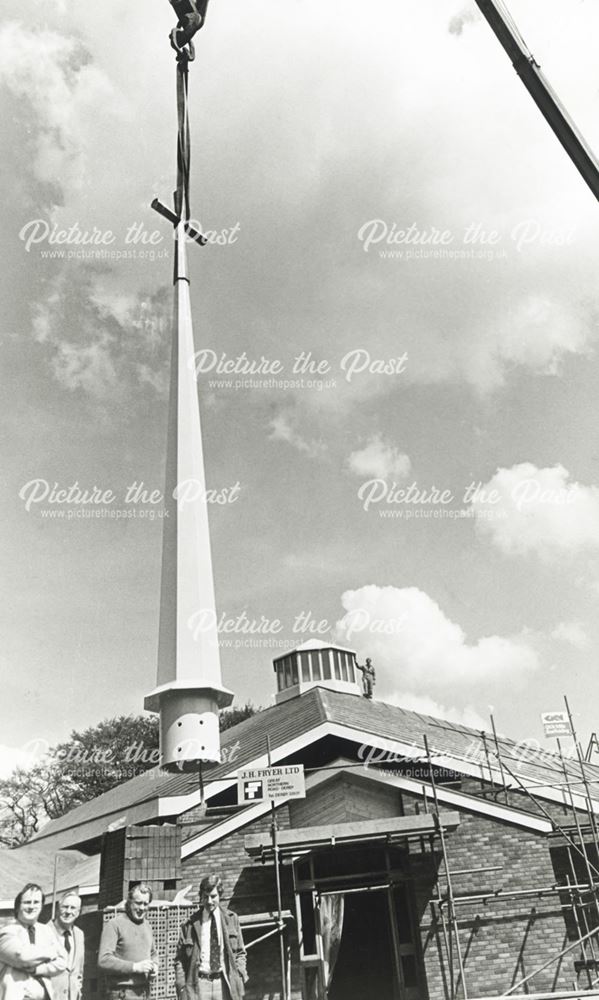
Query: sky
[[404, 256]]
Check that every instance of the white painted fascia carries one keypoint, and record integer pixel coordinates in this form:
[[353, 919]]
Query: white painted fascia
[[397, 749], [461, 766], [223, 829], [182, 803], [458, 800]]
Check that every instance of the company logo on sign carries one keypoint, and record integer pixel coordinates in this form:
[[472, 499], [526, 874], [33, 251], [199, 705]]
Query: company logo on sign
[[253, 791], [556, 724], [274, 784]]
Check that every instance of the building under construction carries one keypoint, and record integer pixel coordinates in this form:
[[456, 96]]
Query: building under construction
[[426, 859]]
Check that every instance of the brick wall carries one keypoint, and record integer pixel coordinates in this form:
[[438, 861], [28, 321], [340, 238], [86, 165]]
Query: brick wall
[[343, 801], [502, 940], [249, 888]]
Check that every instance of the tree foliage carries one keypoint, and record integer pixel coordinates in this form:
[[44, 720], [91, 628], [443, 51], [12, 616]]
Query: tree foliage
[[231, 716], [90, 762]]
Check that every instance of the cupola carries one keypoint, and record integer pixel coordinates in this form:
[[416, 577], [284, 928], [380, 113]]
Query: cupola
[[316, 664]]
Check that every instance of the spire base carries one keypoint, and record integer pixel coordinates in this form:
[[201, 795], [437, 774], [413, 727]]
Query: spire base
[[189, 729]]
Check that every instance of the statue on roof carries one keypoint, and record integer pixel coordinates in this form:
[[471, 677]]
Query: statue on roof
[[368, 677]]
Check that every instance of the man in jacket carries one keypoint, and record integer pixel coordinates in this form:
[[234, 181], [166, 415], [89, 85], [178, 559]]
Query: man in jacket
[[68, 985], [30, 955], [211, 962]]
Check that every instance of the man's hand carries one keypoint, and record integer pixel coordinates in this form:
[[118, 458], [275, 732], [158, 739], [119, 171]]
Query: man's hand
[[145, 968]]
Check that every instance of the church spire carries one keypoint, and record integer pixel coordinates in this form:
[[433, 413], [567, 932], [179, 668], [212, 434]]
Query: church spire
[[189, 692]]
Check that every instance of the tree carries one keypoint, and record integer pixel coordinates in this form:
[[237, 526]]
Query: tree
[[89, 763], [102, 756], [28, 797], [231, 716]]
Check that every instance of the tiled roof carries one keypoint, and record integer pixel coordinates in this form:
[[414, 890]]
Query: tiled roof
[[32, 863], [137, 800], [462, 743]]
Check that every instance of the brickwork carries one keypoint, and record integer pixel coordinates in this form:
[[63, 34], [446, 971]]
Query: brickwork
[[502, 939], [344, 801], [149, 854], [249, 888]]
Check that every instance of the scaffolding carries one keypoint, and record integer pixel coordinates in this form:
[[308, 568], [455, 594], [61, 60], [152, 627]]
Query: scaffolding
[[571, 825], [577, 894]]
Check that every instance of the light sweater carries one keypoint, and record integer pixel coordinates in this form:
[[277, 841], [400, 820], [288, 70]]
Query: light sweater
[[123, 943]]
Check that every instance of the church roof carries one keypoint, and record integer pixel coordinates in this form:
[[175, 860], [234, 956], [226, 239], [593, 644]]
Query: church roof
[[293, 726], [35, 863]]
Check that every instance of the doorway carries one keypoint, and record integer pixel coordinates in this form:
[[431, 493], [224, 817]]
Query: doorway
[[365, 942], [365, 964]]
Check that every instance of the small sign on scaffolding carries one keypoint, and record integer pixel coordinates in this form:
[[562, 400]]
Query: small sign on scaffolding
[[268, 784], [556, 724]]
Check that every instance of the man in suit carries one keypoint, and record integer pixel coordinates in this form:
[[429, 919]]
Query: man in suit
[[68, 984], [211, 962], [30, 956]]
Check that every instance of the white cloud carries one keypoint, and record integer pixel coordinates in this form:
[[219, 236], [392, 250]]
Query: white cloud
[[572, 633], [542, 332], [413, 644], [452, 318], [68, 95], [459, 21], [526, 509], [100, 341], [467, 716], [282, 429], [85, 367], [379, 459], [25, 756]]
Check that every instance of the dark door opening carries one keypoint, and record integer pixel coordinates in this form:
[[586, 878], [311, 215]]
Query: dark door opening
[[365, 965]]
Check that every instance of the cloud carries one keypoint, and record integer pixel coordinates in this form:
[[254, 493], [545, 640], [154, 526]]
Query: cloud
[[414, 645], [530, 510], [572, 633], [103, 342], [379, 459], [539, 332], [68, 96], [25, 756], [467, 716], [459, 21], [282, 429], [461, 322]]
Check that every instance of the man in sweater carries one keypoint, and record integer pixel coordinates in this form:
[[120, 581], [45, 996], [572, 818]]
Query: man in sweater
[[127, 951], [210, 963]]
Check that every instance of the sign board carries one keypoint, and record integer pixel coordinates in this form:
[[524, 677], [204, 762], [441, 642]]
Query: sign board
[[265, 784], [556, 724]]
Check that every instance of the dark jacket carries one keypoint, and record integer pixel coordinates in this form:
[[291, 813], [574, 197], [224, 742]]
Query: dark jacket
[[188, 956]]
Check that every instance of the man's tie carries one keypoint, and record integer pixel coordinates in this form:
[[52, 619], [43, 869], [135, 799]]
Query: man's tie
[[67, 941], [31, 932], [214, 946]]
